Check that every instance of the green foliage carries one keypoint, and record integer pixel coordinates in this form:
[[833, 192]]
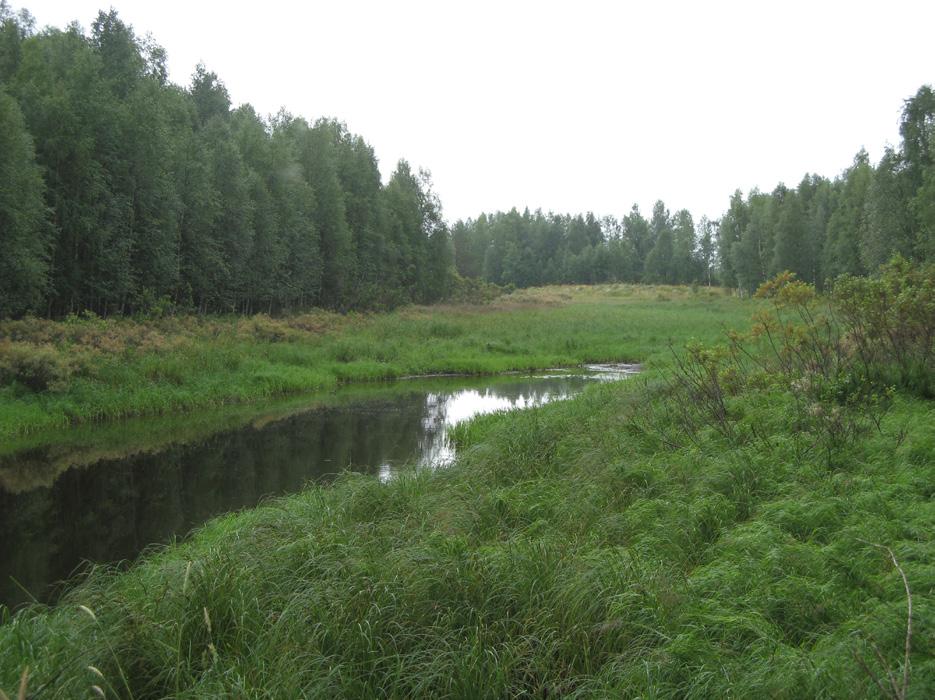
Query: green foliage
[[804, 358], [842, 252], [890, 321], [819, 230], [25, 232], [916, 127], [888, 225], [790, 250], [658, 266], [140, 190], [567, 552], [847, 226], [533, 248], [470, 290], [123, 189], [830, 372], [163, 362], [752, 252]]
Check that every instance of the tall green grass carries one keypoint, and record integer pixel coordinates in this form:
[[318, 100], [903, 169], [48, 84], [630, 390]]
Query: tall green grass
[[575, 550], [563, 555], [80, 371]]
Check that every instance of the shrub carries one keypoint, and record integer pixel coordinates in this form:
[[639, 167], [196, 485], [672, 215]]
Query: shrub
[[266, 329], [889, 322], [804, 353], [37, 367], [469, 290]]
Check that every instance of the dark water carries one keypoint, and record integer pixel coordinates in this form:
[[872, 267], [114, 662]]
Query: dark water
[[104, 493]]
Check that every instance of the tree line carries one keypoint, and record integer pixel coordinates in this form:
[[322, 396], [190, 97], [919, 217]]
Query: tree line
[[534, 248], [123, 192], [819, 230]]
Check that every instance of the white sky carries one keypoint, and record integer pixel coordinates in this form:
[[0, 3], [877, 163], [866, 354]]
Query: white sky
[[570, 106]]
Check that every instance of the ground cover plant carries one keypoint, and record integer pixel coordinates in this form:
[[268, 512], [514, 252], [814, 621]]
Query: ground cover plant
[[55, 374], [704, 532]]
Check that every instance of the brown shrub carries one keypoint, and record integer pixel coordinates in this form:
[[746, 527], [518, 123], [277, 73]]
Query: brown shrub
[[37, 367]]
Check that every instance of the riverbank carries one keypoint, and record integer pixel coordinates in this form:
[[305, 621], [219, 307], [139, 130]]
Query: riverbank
[[56, 374], [140, 483], [757, 520], [568, 552]]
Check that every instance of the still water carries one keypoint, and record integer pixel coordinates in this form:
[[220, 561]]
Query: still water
[[104, 493]]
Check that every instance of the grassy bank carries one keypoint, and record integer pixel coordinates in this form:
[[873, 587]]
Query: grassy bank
[[566, 554], [54, 374], [36, 460], [739, 525]]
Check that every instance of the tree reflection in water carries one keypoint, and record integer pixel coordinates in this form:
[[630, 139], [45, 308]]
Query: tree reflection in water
[[111, 509]]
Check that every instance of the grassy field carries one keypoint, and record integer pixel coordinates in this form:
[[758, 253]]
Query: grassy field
[[750, 522], [54, 374]]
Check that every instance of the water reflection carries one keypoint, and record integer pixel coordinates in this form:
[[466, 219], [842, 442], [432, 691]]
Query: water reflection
[[105, 504], [443, 411]]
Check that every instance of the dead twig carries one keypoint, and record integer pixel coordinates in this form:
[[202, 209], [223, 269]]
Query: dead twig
[[23, 683], [899, 691]]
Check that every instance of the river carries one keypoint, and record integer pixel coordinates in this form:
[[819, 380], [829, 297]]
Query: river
[[104, 493]]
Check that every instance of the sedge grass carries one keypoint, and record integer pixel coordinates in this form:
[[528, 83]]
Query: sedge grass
[[569, 551], [95, 370], [564, 554]]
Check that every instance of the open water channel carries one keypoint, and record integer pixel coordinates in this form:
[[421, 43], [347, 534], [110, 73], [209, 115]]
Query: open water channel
[[104, 493]]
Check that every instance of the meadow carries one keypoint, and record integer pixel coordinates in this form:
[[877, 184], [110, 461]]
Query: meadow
[[54, 374], [752, 518]]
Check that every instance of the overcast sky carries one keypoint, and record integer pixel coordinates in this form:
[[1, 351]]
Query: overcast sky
[[568, 106]]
